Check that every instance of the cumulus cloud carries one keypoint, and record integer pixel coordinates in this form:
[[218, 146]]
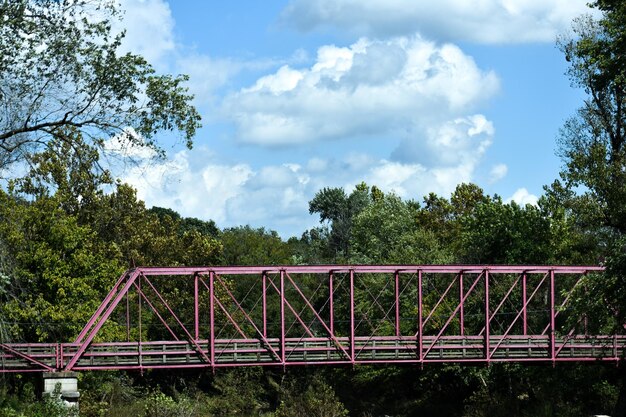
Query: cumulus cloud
[[149, 29], [459, 141], [523, 197], [485, 21], [498, 172], [199, 184], [373, 88]]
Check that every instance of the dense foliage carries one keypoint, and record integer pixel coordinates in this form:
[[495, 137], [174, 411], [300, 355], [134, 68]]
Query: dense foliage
[[68, 229]]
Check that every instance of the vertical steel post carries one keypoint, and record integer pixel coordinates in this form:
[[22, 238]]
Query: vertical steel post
[[196, 308], [487, 318], [397, 287], [462, 311], [212, 317], [264, 297], [331, 305], [552, 318], [139, 350], [420, 310], [524, 296], [282, 316], [352, 358], [127, 318]]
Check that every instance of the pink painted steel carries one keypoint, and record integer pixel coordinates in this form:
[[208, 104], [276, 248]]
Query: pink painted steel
[[497, 309], [520, 313], [160, 317], [102, 306], [397, 302], [248, 318], [331, 306], [319, 318], [283, 355], [454, 313], [461, 300], [441, 299], [331, 341], [487, 317], [352, 347], [563, 304], [140, 335], [28, 358], [180, 323], [264, 301], [94, 325], [420, 309], [127, 317], [196, 309], [524, 312], [290, 307], [552, 319], [211, 317]]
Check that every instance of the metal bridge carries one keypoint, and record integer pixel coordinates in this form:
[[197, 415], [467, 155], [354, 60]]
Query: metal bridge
[[210, 317]]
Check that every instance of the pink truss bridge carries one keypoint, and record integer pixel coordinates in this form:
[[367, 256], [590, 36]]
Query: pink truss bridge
[[229, 316]]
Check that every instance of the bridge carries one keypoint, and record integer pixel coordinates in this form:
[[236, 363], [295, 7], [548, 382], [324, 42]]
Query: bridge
[[213, 317]]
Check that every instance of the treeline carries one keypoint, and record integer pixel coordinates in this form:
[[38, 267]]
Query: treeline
[[68, 230]]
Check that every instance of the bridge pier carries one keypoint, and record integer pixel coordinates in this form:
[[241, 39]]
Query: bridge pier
[[63, 385]]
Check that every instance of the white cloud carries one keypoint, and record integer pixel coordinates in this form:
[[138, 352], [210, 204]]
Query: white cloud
[[523, 197], [149, 29], [374, 88], [199, 185], [484, 21], [207, 74], [460, 141], [498, 172]]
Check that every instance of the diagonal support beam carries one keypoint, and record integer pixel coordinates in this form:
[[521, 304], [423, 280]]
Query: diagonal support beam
[[90, 332], [221, 306], [180, 323], [456, 310], [308, 303], [519, 314], [249, 319], [432, 311], [25, 357], [153, 308], [290, 307], [506, 296]]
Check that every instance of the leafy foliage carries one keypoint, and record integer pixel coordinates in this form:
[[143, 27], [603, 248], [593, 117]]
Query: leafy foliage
[[61, 66]]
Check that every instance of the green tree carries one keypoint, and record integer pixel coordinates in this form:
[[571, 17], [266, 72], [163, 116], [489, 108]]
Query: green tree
[[61, 66], [339, 209], [386, 231], [245, 245]]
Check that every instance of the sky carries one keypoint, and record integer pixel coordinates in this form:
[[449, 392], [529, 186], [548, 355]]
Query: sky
[[297, 95]]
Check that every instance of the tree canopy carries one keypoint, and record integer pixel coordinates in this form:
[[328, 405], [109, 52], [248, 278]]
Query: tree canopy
[[61, 66]]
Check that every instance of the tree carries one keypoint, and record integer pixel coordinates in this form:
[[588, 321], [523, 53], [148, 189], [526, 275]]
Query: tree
[[386, 231], [593, 147], [592, 143], [61, 66], [339, 209], [247, 246]]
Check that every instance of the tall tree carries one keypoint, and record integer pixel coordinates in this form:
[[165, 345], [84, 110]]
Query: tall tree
[[593, 147], [339, 209], [61, 66]]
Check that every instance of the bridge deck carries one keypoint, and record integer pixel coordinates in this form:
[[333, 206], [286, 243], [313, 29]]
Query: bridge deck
[[312, 351]]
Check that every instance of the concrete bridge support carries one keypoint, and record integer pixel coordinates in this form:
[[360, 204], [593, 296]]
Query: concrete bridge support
[[63, 385]]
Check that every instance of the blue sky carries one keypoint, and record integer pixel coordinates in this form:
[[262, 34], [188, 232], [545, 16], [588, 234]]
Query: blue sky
[[410, 96]]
